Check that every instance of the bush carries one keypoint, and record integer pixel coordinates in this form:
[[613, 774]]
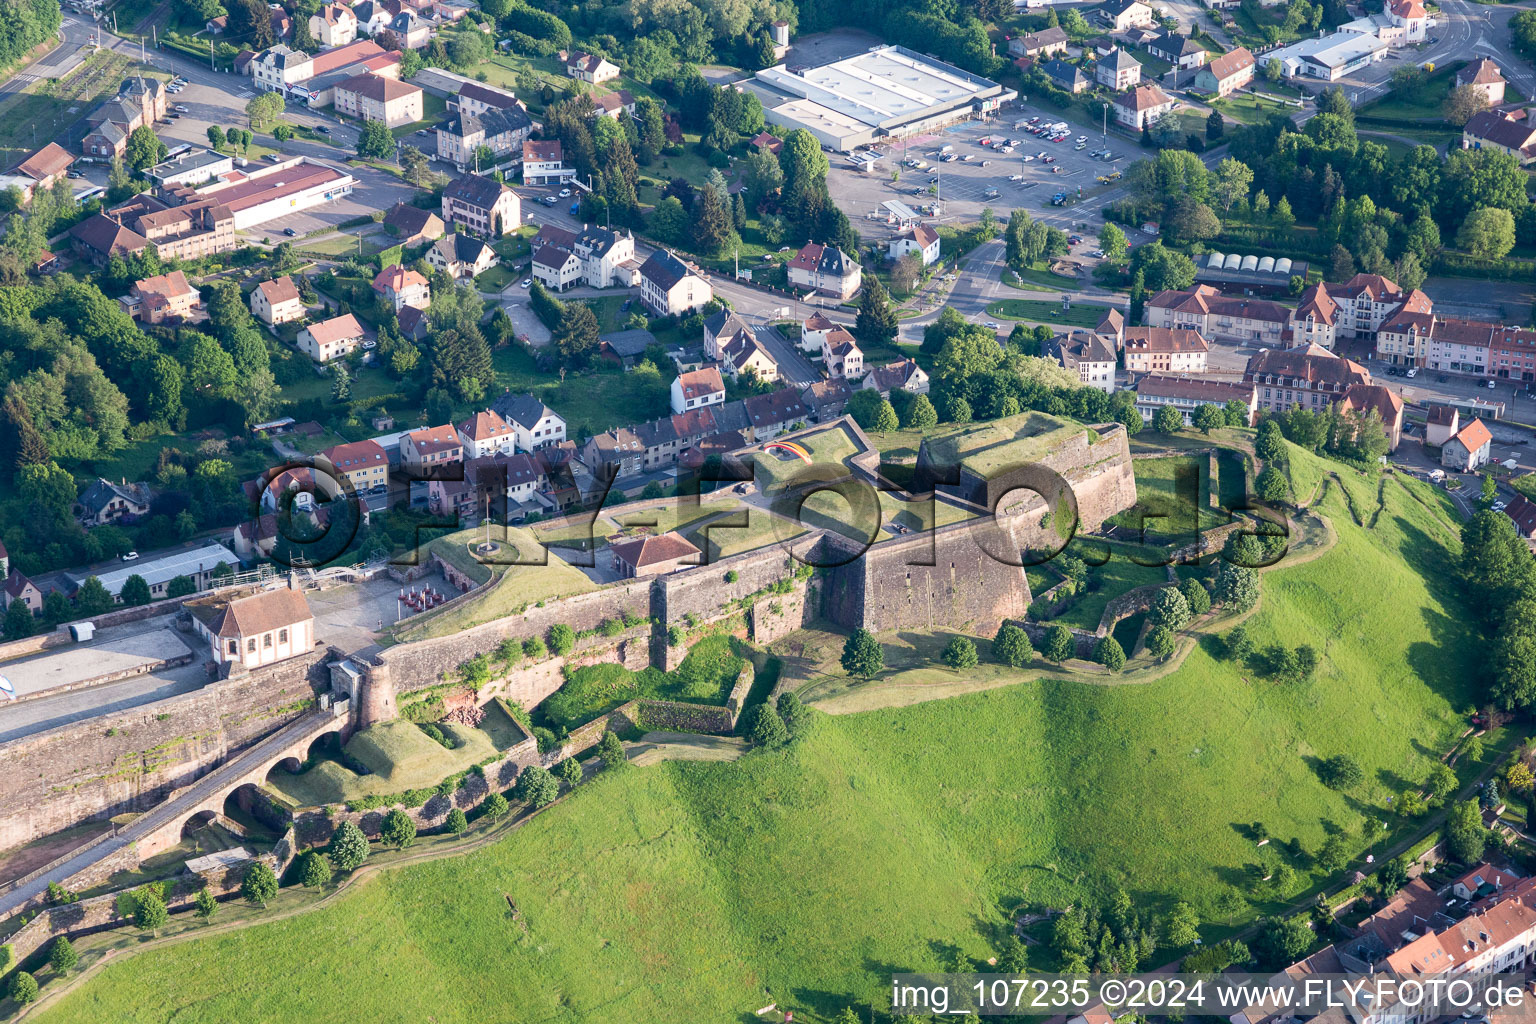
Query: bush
[[1058, 645], [570, 771], [23, 988], [535, 786], [561, 639], [1340, 772], [457, 822], [1109, 653], [534, 649], [398, 829]]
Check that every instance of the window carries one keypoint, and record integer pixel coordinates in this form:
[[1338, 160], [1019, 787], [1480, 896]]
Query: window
[[251, 645], [234, 647]]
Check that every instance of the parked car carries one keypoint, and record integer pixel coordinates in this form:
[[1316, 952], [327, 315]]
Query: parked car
[[565, 193], [370, 343], [130, 556], [1413, 371], [527, 281], [289, 232]]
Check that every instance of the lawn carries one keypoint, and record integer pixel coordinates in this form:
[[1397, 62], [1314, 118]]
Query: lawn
[[495, 280], [884, 838], [44, 110], [1173, 492], [591, 401], [705, 677], [1037, 276], [1108, 581], [1082, 314], [1250, 108]]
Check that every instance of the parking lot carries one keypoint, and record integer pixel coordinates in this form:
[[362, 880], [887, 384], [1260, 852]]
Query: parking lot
[[980, 176]]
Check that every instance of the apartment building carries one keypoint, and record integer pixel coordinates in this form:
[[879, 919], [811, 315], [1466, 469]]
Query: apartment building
[[481, 205], [1164, 350]]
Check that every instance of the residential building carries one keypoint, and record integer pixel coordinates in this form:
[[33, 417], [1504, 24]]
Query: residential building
[[18, 587], [1216, 316], [814, 331], [626, 347], [826, 400], [1310, 378], [163, 298], [1441, 424], [825, 269], [670, 287], [1227, 73], [1468, 449], [720, 330], [919, 239], [1366, 301], [1164, 350], [1386, 404], [103, 502], [1066, 76], [535, 425], [1118, 71], [423, 451], [485, 433], [544, 163], [276, 68], [613, 104], [1460, 346], [653, 556], [1123, 15], [1044, 43], [1177, 49], [258, 630], [403, 287], [331, 339], [769, 141], [334, 25], [697, 389], [619, 451], [745, 353], [374, 16], [411, 30], [1522, 512], [363, 464], [412, 225], [1491, 129], [1512, 353], [588, 67], [775, 413], [843, 356], [1187, 394], [1142, 106], [555, 268], [277, 302], [1411, 18], [373, 97], [503, 132], [476, 98], [1316, 318], [98, 238], [462, 257], [1087, 355], [1485, 78], [902, 375], [482, 205], [595, 256], [1111, 326]]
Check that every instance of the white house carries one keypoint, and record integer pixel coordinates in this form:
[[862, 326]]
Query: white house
[[669, 287], [697, 389], [486, 433], [277, 302], [544, 163], [1469, 449], [535, 424], [331, 339], [334, 25], [825, 269], [257, 630], [919, 239]]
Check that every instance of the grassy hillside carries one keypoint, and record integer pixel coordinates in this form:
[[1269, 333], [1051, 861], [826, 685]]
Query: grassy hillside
[[694, 891]]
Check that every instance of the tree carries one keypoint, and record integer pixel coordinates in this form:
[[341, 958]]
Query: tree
[[1271, 484], [23, 988], [1340, 772], [885, 417], [1109, 653], [62, 956], [495, 806], [795, 715], [767, 730], [1058, 644], [1112, 241], [1441, 783], [1487, 233], [1168, 420], [1196, 595], [216, 137], [876, 324], [263, 109], [144, 149], [1465, 837], [19, 621], [397, 829], [1160, 642], [259, 884], [1518, 777], [1011, 646], [536, 787], [1170, 608], [862, 655], [341, 383], [135, 591], [315, 871], [374, 140], [149, 912], [1208, 417], [1183, 925], [457, 823], [610, 751], [960, 653], [205, 904], [711, 223], [921, 414], [1462, 103], [348, 847], [1283, 941], [577, 336], [570, 771]]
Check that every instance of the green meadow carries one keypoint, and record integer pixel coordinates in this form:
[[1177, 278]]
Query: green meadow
[[885, 839]]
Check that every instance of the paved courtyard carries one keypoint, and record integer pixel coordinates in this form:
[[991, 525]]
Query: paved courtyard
[[81, 662], [351, 616]]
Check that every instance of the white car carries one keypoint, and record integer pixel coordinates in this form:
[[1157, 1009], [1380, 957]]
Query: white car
[[1491, 385], [1082, 138], [181, 109], [1017, 177], [991, 326], [1413, 371], [130, 556], [527, 281], [369, 343], [1029, 160]]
